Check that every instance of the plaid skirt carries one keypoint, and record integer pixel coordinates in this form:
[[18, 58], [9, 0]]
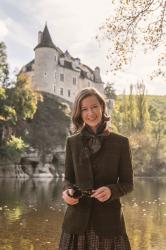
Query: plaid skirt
[[91, 241]]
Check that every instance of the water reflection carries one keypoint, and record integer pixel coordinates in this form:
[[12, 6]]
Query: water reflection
[[31, 213], [145, 211]]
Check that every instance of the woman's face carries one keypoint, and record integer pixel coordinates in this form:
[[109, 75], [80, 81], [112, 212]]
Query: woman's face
[[91, 111]]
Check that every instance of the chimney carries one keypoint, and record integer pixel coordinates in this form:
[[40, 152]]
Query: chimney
[[76, 62], [40, 33], [97, 74]]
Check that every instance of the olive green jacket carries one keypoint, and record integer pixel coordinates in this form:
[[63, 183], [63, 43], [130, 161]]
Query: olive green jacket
[[112, 167]]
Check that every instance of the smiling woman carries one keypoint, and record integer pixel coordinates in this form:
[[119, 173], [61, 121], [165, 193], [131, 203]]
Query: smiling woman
[[91, 112], [98, 171]]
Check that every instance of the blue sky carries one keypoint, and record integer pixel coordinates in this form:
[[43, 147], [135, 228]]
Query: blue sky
[[73, 26]]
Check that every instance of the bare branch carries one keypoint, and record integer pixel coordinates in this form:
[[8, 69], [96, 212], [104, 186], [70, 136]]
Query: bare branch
[[135, 22]]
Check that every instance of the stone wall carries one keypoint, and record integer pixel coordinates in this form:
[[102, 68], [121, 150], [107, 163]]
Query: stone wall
[[31, 166]]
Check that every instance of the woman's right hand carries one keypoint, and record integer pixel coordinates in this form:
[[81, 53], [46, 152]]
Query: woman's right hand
[[67, 198]]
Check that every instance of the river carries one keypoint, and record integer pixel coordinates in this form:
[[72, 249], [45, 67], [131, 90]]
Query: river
[[31, 214]]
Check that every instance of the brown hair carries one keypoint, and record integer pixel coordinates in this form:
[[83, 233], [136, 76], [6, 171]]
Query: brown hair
[[76, 113]]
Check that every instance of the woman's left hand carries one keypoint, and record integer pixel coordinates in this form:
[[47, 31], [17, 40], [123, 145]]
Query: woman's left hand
[[102, 194]]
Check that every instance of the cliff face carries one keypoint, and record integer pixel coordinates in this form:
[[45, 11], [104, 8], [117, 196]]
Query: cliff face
[[46, 135], [49, 126]]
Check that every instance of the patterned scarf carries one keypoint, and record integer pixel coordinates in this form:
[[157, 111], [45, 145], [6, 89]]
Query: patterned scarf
[[91, 144], [93, 140]]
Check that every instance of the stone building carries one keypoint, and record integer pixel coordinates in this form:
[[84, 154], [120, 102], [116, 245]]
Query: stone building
[[57, 72]]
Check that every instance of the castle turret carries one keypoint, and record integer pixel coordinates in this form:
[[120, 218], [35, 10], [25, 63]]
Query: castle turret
[[46, 58], [57, 72]]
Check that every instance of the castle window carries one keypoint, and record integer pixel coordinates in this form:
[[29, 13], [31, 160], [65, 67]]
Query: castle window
[[54, 88], [62, 77], [69, 93], [61, 91], [45, 74], [74, 80]]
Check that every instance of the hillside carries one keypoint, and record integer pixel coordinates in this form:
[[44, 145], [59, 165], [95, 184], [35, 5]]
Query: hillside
[[158, 102], [49, 126]]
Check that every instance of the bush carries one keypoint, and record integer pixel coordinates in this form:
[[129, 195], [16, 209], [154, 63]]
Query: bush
[[13, 149]]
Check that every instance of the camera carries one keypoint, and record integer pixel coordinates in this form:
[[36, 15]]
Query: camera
[[79, 193]]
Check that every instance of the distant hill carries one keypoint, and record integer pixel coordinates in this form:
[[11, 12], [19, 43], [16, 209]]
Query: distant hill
[[159, 102]]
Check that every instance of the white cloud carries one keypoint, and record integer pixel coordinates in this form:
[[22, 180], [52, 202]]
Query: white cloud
[[18, 33], [123, 81], [3, 29], [73, 25]]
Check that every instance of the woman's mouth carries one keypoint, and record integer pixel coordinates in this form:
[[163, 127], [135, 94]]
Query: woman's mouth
[[92, 120]]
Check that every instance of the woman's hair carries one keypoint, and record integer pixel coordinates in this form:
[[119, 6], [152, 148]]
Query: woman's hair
[[76, 113]]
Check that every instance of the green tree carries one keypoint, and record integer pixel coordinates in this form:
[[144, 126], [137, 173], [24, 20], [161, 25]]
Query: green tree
[[132, 110], [8, 116], [132, 113], [13, 148], [143, 122], [4, 71], [7, 112], [125, 110], [109, 91], [158, 120], [24, 99], [16, 104]]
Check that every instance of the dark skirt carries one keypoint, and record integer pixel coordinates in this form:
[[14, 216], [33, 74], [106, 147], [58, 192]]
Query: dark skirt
[[91, 241]]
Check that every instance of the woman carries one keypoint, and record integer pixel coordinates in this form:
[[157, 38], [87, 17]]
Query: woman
[[98, 171]]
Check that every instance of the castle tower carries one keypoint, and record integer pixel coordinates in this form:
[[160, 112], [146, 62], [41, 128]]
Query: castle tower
[[46, 60], [59, 73]]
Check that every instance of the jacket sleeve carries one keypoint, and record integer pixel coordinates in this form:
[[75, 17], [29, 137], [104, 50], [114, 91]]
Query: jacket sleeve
[[125, 180], [69, 169]]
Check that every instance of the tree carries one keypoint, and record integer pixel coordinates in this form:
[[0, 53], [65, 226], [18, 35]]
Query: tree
[[13, 149], [7, 112], [24, 99], [110, 94], [135, 22], [132, 111], [142, 118], [8, 116], [142, 107], [109, 91], [4, 71], [125, 110], [16, 104], [158, 120]]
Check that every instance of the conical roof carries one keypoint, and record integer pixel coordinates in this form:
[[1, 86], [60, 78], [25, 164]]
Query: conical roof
[[46, 40]]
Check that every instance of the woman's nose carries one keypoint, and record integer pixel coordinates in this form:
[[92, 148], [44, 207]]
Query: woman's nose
[[90, 112]]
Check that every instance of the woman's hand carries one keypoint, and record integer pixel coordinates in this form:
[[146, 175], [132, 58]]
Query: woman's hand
[[102, 194], [67, 198]]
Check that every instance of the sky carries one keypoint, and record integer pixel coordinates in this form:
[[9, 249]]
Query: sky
[[73, 26]]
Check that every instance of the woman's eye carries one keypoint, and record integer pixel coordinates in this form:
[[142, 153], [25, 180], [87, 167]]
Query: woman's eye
[[83, 110]]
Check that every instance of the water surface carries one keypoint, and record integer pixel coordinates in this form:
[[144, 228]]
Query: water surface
[[31, 214]]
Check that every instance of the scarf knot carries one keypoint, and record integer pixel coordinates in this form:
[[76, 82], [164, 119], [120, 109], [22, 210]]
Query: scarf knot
[[94, 140]]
